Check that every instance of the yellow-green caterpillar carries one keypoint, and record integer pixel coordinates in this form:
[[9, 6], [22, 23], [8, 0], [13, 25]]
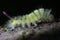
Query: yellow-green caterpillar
[[38, 15]]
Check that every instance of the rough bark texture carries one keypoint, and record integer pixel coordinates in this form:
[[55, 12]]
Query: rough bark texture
[[48, 31]]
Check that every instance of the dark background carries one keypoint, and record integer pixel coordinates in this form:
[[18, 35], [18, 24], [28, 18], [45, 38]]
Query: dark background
[[22, 7]]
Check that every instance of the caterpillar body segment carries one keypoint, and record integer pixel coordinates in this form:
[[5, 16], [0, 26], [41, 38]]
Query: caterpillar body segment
[[36, 12], [23, 21], [45, 14], [41, 11], [11, 24], [37, 15], [33, 19], [47, 11]]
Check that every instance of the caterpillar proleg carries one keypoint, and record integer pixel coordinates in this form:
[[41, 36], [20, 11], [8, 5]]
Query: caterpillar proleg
[[38, 15]]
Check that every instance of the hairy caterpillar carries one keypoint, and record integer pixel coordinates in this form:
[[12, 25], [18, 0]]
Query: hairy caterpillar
[[38, 15]]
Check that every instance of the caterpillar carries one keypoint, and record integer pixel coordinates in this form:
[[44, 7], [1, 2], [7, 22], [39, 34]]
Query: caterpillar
[[38, 15]]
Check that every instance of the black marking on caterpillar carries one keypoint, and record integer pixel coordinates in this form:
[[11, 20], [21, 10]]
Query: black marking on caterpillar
[[38, 15]]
